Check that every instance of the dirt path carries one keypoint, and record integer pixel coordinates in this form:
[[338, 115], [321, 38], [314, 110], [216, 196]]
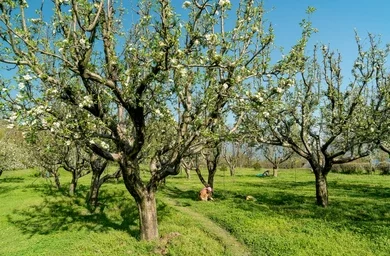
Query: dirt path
[[232, 246]]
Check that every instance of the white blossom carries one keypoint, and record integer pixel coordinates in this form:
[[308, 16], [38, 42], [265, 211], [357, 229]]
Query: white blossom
[[27, 77], [183, 71], [87, 101], [211, 38], [224, 2], [82, 41], [158, 112], [279, 90], [174, 61], [186, 4], [21, 86], [67, 142], [259, 98], [104, 145], [265, 114], [359, 64], [225, 86], [13, 117]]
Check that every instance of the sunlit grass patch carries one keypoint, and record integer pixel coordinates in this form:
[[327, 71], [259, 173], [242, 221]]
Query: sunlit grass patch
[[37, 219]]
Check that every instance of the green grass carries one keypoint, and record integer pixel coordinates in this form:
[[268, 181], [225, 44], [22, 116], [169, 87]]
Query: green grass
[[36, 219]]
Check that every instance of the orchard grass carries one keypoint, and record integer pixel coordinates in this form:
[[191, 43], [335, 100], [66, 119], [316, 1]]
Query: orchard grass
[[37, 219]]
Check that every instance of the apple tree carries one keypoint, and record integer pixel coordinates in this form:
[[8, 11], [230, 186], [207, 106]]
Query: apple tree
[[324, 115], [88, 74]]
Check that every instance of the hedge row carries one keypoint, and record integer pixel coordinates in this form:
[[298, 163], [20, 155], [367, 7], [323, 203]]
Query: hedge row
[[360, 168]]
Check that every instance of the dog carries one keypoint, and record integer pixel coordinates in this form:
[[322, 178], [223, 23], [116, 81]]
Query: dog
[[206, 194]]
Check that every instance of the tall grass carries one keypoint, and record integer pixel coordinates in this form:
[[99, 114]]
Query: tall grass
[[37, 219]]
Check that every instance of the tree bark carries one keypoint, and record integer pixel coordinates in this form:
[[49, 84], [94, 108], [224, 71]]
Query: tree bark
[[212, 162], [73, 185], [144, 197], [188, 174], [57, 180], [200, 176], [210, 179], [94, 191], [147, 208], [321, 188], [275, 171], [232, 171]]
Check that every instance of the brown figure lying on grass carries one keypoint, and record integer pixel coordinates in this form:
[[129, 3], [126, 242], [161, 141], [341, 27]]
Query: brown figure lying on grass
[[206, 193]]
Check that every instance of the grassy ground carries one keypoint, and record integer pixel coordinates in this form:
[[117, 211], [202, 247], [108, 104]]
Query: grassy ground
[[36, 219]]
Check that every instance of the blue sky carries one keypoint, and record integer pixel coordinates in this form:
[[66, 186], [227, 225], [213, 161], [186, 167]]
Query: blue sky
[[335, 19]]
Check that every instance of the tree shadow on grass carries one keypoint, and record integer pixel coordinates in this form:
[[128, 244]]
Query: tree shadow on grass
[[6, 188], [177, 193], [365, 217], [12, 180], [59, 213], [362, 190], [9, 184]]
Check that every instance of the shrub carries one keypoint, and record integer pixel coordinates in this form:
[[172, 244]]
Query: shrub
[[223, 168], [256, 166], [336, 168], [384, 168], [353, 168]]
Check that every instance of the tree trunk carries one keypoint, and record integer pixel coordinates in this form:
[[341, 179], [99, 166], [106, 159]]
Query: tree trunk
[[321, 188], [275, 171], [212, 162], [210, 179], [57, 180], [200, 176], [187, 171], [144, 197], [73, 185], [232, 171], [147, 209], [94, 191]]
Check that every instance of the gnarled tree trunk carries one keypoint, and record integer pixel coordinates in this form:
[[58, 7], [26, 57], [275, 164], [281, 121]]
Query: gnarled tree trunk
[[98, 165], [94, 191], [212, 160], [147, 209], [57, 179], [96, 183], [73, 184], [145, 199], [321, 187]]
